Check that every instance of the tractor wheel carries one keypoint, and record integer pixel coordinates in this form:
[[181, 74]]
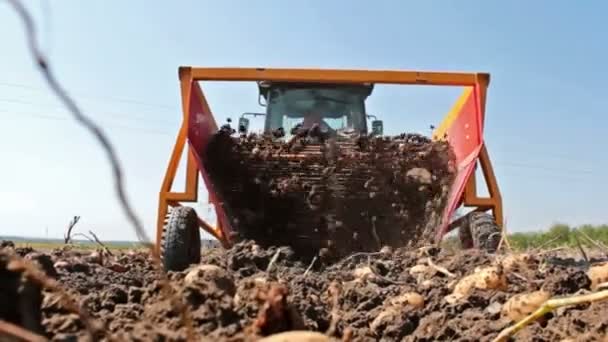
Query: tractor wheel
[[181, 240], [480, 231]]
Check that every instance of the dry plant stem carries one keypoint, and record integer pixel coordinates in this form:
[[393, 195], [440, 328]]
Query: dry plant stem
[[595, 243], [80, 118], [84, 236], [10, 329], [310, 266], [34, 273], [85, 121], [274, 259], [505, 237], [547, 307], [550, 250], [580, 248], [68, 235], [440, 269], [354, 255], [105, 248], [547, 243]]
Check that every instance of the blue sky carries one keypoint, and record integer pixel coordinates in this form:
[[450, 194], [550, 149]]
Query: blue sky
[[546, 109]]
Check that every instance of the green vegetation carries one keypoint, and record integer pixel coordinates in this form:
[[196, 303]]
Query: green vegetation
[[48, 245], [561, 235], [558, 235]]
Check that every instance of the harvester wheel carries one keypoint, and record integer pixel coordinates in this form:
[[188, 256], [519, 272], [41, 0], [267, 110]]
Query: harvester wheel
[[480, 231], [181, 240]]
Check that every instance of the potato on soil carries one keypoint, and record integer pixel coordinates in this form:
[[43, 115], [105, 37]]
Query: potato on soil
[[210, 273], [394, 308], [598, 274], [364, 273], [515, 261], [521, 305], [410, 298], [487, 278], [296, 336]]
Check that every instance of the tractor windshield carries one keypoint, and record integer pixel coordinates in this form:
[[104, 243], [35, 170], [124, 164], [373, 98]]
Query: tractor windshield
[[333, 108]]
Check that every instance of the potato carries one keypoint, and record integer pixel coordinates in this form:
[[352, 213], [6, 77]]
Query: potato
[[419, 269], [514, 261], [598, 274], [296, 336], [411, 298], [487, 278], [364, 273], [521, 305]]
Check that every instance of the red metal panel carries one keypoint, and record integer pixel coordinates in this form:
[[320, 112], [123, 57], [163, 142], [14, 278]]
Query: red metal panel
[[201, 126], [465, 135]]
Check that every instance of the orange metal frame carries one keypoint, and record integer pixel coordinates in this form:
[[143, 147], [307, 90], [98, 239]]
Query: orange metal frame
[[189, 77]]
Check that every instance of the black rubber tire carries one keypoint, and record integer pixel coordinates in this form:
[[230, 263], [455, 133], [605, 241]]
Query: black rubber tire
[[181, 240], [480, 231]]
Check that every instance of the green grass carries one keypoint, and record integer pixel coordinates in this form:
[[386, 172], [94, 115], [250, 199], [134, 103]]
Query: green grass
[[44, 245], [560, 235]]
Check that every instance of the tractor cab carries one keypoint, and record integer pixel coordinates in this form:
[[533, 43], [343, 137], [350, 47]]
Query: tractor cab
[[336, 108]]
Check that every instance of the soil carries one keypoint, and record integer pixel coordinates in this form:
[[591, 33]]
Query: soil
[[238, 294], [333, 195]]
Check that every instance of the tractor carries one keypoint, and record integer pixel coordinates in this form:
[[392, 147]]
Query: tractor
[[321, 176]]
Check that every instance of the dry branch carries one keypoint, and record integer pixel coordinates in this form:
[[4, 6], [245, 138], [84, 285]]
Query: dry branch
[[105, 248], [440, 269], [310, 266], [67, 238], [108, 148], [597, 244]]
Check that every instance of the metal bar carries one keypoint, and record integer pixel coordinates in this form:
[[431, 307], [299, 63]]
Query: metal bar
[[490, 178], [180, 142], [334, 76]]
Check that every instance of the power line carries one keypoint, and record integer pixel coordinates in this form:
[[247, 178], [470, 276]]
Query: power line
[[59, 118], [94, 97], [541, 167], [121, 115]]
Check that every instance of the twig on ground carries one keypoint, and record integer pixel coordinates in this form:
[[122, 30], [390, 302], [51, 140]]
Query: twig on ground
[[547, 307], [105, 248], [354, 255], [519, 276], [310, 266], [274, 259], [7, 328], [440, 269]]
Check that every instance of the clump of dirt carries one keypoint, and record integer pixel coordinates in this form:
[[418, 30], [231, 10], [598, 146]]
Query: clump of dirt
[[331, 194], [248, 292]]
